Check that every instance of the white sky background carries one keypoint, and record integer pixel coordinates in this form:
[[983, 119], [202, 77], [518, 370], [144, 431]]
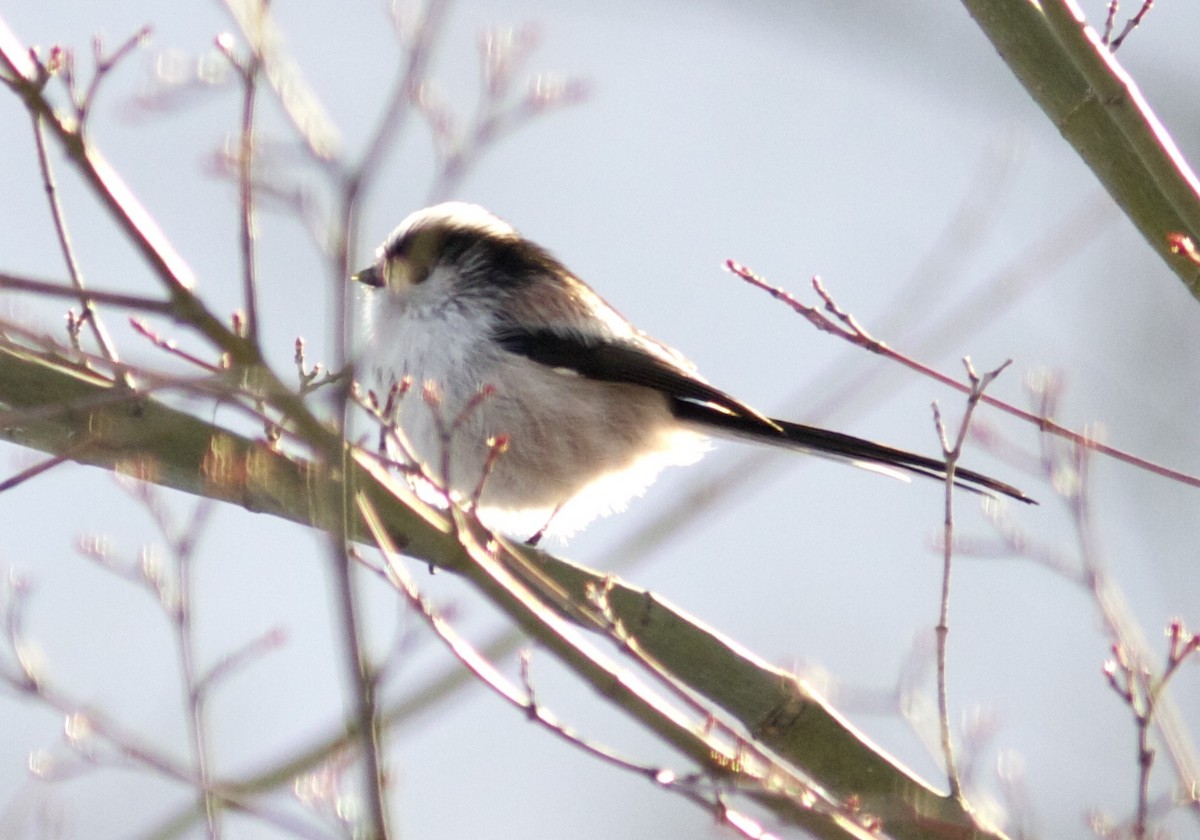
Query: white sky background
[[800, 138]]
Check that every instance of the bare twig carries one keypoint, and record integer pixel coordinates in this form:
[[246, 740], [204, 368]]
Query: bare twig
[[850, 331], [87, 303], [951, 453], [248, 72], [183, 547], [525, 697], [27, 76], [1130, 25], [391, 434], [61, 63], [497, 446], [502, 56], [1140, 690], [236, 660], [87, 728], [173, 595], [472, 659], [197, 695], [1068, 469], [355, 180], [169, 345], [354, 183], [447, 430], [1110, 19], [50, 289], [40, 467], [352, 186], [425, 33], [362, 676], [105, 64], [364, 687], [296, 97], [315, 377]]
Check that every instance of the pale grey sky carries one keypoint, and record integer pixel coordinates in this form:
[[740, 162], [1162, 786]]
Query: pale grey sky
[[843, 140]]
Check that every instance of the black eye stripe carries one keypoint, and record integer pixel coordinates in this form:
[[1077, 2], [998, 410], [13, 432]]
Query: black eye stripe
[[503, 258], [398, 248]]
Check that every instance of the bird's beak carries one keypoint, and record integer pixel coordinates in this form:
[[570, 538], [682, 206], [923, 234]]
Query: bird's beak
[[369, 276]]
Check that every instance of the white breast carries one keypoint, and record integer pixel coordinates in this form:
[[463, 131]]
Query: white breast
[[576, 446]]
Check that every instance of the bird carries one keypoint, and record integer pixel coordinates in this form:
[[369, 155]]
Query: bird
[[526, 395]]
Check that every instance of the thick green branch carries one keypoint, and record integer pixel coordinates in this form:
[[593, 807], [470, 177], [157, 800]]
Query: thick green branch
[[62, 410], [1100, 111]]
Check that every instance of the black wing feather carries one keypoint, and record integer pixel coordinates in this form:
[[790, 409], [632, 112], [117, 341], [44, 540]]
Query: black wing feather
[[611, 361]]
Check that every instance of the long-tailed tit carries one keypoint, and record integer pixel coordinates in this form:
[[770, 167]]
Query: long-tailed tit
[[514, 345]]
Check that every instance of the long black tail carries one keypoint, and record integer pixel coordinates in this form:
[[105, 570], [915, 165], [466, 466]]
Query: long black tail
[[840, 446]]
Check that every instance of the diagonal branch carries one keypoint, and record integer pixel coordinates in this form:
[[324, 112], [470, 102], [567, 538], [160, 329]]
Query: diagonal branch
[[845, 327], [47, 288], [781, 714], [28, 79], [1098, 108]]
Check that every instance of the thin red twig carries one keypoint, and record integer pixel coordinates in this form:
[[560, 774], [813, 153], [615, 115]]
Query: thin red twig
[[851, 331]]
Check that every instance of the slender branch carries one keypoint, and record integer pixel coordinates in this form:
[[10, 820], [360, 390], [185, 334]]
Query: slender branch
[[240, 658], [248, 72], [503, 54], [952, 453], [104, 64], [1110, 18], [1128, 638], [352, 189], [849, 330], [1141, 690], [1091, 574], [356, 180], [525, 698], [169, 345], [1130, 25], [103, 341], [362, 679], [45, 465], [51, 289], [183, 548], [176, 603], [354, 183], [471, 658], [284, 77], [85, 727], [27, 78], [942, 631], [426, 34]]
